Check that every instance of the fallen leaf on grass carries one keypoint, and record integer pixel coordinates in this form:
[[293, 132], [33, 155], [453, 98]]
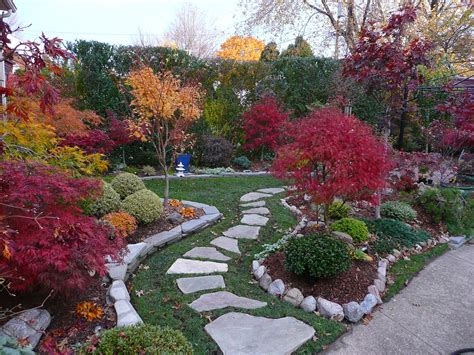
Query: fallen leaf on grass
[[139, 293]]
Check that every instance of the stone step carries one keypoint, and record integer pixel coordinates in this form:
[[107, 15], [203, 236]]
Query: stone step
[[206, 253], [186, 266], [200, 283], [258, 210], [228, 244], [223, 299], [253, 196], [272, 190], [253, 204], [240, 333], [242, 232], [254, 220]]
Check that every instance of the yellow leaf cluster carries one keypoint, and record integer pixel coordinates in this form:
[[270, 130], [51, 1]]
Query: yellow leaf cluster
[[241, 48], [89, 311]]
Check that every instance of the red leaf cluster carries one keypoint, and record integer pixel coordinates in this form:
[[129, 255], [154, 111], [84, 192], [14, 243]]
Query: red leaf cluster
[[263, 124], [332, 155], [52, 244], [92, 141]]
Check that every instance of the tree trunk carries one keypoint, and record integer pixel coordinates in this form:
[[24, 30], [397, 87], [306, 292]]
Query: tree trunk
[[326, 214], [377, 207], [167, 187], [403, 118]]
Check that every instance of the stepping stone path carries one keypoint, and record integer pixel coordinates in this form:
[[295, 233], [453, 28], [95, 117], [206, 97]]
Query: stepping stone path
[[237, 333]]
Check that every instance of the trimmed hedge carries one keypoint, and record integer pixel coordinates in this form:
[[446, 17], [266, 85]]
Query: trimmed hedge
[[144, 205], [126, 184], [108, 202]]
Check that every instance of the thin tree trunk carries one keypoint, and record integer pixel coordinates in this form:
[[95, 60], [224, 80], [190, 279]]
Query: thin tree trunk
[[403, 118], [167, 187]]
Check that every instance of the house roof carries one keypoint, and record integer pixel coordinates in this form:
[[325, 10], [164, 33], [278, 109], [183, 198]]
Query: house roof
[[6, 5]]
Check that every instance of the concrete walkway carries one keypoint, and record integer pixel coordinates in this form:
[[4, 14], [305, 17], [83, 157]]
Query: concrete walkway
[[434, 314]]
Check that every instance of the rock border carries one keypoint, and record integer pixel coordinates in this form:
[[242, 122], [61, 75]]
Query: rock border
[[352, 311], [119, 273]]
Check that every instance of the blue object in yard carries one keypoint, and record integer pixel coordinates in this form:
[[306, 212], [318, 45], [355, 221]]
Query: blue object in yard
[[185, 159]]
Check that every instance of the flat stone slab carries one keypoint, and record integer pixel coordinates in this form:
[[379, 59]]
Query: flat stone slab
[[254, 220], [223, 299], [228, 244], [259, 210], [242, 232], [206, 253], [272, 190], [200, 283], [239, 333], [253, 196], [134, 251], [254, 204], [185, 266]]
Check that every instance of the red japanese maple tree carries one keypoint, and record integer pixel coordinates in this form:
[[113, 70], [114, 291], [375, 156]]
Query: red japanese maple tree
[[385, 60], [46, 241], [332, 155], [263, 125]]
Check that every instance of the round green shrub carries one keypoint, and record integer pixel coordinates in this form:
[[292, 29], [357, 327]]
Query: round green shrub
[[317, 255], [109, 201], [398, 210], [355, 228], [142, 339], [126, 184], [144, 205], [242, 162], [338, 210]]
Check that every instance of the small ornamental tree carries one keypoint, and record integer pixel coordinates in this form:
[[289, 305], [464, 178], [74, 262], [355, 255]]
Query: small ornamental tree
[[165, 108], [46, 241], [263, 125], [332, 155]]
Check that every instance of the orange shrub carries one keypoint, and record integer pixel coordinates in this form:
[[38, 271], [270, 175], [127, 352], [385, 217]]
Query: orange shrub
[[188, 212], [124, 224]]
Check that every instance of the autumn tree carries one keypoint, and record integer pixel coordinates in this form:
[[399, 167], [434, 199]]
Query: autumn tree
[[241, 48], [164, 107], [332, 155], [270, 53], [263, 125], [191, 32], [300, 48]]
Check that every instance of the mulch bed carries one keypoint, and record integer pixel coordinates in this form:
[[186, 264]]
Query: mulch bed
[[349, 286]]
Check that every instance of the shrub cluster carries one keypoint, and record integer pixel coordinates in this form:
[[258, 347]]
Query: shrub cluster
[[355, 228], [317, 255], [393, 234], [108, 202], [338, 210], [242, 162], [126, 184], [144, 205], [142, 339], [215, 151], [398, 210], [123, 223]]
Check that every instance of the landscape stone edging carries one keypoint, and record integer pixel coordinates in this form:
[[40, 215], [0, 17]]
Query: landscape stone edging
[[352, 311], [206, 176], [119, 273]]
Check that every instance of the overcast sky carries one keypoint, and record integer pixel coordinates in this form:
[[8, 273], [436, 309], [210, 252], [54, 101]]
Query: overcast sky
[[116, 21]]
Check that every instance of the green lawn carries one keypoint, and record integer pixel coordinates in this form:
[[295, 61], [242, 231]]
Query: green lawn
[[163, 304], [404, 270]]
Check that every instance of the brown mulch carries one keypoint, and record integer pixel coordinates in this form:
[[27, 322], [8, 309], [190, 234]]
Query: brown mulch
[[349, 286]]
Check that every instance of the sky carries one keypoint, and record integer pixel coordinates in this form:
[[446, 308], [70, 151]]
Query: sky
[[116, 21]]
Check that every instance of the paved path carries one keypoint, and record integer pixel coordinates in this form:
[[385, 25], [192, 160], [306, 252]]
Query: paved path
[[433, 315]]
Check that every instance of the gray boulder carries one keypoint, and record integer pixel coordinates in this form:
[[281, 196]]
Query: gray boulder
[[175, 218], [330, 309], [276, 288], [259, 272], [374, 291], [343, 237], [353, 312], [265, 281], [294, 296], [368, 304], [308, 304]]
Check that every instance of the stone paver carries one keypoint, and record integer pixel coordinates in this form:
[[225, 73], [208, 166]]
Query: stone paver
[[185, 266], [254, 220], [253, 196], [253, 204], [239, 333], [258, 210], [206, 253], [223, 299], [200, 283], [242, 232], [433, 315], [272, 190], [228, 244]]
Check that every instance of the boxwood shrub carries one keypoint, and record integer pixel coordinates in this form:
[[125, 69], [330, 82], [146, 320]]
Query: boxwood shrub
[[142, 339], [354, 227], [398, 210], [126, 184], [317, 255], [144, 205], [108, 202]]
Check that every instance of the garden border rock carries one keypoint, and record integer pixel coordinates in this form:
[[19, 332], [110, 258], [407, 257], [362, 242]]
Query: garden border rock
[[352, 311], [119, 273]]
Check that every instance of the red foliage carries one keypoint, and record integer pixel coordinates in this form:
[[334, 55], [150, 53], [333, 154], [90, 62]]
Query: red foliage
[[92, 141], [50, 243], [263, 124], [332, 155], [119, 130], [405, 183]]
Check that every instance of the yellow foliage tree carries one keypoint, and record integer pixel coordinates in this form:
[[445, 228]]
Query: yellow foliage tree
[[241, 48], [164, 107]]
